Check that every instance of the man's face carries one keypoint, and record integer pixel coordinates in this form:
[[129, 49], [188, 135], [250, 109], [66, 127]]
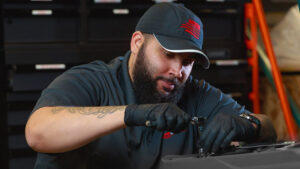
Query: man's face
[[159, 75]]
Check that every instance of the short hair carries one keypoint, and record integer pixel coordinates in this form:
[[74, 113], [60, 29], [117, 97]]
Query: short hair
[[147, 37]]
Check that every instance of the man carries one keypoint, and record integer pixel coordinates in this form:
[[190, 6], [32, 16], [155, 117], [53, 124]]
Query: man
[[120, 115]]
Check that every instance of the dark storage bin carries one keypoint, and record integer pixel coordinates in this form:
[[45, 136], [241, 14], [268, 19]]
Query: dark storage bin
[[33, 81], [114, 22], [17, 163], [23, 27], [32, 22]]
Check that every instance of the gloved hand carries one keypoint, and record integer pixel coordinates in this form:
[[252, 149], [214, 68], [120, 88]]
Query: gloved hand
[[164, 116], [223, 129]]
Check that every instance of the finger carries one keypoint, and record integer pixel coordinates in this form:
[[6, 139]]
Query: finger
[[187, 118], [160, 123], [228, 139], [205, 133], [208, 140], [219, 140], [203, 136], [171, 121], [183, 121], [179, 125]]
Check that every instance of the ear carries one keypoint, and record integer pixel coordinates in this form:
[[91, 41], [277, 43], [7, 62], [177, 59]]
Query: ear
[[137, 40]]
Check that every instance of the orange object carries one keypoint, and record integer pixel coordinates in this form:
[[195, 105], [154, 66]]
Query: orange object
[[275, 71], [253, 61]]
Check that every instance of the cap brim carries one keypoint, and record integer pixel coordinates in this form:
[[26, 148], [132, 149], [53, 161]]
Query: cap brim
[[177, 45]]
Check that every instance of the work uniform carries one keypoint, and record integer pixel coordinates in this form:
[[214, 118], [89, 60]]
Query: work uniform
[[100, 84]]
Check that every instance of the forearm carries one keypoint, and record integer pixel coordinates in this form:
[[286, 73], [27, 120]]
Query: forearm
[[60, 129], [267, 132]]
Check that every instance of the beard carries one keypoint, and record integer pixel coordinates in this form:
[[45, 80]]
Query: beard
[[145, 87]]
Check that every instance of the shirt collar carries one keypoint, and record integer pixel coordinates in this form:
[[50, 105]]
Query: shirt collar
[[126, 81]]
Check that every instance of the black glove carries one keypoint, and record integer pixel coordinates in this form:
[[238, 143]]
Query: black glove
[[223, 129], [164, 116]]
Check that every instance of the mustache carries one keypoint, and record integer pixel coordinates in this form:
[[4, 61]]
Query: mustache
[[172, 80]]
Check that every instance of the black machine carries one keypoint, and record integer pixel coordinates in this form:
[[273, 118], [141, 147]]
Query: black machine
[[281, 155], [285, 155]]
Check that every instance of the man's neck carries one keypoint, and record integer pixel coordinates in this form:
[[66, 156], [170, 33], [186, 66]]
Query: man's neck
[[131, 61]]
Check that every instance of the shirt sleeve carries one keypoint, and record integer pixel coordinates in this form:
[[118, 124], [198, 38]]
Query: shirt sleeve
[[209, 101], [75, 87]]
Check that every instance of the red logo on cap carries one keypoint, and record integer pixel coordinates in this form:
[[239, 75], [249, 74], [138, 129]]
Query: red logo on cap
[[192, 28]]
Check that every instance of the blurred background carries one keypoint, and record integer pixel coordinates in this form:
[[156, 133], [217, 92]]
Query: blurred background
[[40, 39]]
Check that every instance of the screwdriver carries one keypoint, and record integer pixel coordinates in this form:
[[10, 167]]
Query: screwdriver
[[198, 121]]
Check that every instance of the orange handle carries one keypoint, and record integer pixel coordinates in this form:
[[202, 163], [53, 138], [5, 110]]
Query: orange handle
[[253, 61], [275, 71]]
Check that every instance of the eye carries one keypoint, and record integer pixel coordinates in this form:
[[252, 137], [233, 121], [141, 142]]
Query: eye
[[169, 54]]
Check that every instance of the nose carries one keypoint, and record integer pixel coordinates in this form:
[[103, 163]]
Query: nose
[[176, 68]]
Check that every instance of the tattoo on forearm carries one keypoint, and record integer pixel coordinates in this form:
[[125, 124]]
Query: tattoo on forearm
[[100, 112]]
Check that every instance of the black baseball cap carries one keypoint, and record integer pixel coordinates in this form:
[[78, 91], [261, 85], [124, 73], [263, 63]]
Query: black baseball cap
[[176, 28]]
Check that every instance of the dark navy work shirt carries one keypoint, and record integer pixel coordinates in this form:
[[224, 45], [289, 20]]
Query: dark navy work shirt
[[100, 84]]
